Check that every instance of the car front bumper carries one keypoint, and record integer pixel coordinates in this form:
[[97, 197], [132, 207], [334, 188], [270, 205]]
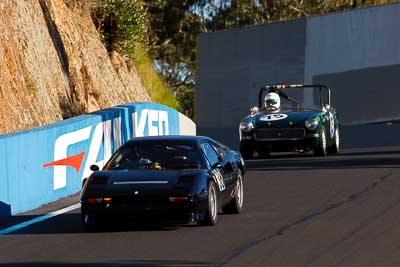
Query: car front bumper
[[308, 142], [143, 213]]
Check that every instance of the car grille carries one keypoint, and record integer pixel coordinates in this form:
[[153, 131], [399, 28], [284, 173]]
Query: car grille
[[278, 134]]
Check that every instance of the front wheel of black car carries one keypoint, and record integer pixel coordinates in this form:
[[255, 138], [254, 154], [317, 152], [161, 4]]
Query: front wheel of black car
[[320, 149], [210, 218], [246, 151], [236, 204], [334, 149]]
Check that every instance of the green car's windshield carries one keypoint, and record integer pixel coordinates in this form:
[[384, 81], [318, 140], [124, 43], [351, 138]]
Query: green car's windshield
[[156, 156], [301, 98]]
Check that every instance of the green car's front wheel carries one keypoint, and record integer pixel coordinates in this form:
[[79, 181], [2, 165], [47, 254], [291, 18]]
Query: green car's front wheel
[[334, 149], [320, 149]]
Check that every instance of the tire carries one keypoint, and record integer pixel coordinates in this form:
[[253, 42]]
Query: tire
[[320, 149], [211, 215], [236, 204], [89, 227], [334, 149], [246, 151]]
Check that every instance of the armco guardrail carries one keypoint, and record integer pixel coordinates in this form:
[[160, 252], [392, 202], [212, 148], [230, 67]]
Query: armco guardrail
[[44, 164]]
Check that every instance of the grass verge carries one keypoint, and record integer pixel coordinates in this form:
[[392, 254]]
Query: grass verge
[[153, 83]]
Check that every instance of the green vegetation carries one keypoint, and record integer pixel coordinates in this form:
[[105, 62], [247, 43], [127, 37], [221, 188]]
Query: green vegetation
[[124, 27], [151, 79], [30, 86], [123, 24]]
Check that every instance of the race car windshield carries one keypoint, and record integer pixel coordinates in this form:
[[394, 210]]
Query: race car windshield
[[298, 98], [156, 156]]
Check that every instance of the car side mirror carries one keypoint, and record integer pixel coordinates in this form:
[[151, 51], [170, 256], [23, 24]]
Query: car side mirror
[[94, 168], [326, 108], [217, 165]]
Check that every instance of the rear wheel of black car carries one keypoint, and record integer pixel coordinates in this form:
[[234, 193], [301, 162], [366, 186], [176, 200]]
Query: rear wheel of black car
[[334, 149], [236, 204], [320, 149], [210, 218], [90, 227], [247, 151]]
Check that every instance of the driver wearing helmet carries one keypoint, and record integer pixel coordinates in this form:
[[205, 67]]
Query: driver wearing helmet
[[272, 101]]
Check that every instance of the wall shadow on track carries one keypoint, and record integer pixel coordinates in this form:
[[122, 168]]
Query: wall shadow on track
[[70, 223], [349, 160], [133, 263]]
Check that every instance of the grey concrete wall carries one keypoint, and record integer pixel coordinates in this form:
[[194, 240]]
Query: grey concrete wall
[[234, 64], [353, 40], [365, 95], [357, 53], [370, 135]]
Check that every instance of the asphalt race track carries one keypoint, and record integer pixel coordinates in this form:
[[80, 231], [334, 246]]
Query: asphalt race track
[[300, 210]]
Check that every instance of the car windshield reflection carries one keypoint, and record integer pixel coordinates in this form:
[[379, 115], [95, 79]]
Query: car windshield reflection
[[156, 156]]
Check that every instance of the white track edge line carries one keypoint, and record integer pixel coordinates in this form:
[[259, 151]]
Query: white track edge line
[[39, 219]]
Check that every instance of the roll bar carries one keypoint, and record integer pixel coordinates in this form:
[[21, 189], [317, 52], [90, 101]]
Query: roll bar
[[276, 88]]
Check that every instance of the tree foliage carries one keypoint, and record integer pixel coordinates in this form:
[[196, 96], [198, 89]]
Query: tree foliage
[[221, 15], [123, 24]]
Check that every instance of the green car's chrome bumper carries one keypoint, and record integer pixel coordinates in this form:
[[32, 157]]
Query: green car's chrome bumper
[[308, 142]]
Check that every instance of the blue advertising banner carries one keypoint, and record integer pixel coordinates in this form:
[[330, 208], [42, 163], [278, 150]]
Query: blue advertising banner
[[44, 164]]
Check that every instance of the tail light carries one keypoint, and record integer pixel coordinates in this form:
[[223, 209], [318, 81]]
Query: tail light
[[177, 199], [99, 200]]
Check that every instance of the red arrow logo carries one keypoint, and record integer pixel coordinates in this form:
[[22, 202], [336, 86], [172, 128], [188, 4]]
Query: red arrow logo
[[74, 161]]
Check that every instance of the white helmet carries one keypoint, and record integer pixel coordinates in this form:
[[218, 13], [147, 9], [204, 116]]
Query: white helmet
[[272, 100]]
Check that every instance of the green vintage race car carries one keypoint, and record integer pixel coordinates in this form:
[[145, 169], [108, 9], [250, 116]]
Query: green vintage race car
[[291, 118]]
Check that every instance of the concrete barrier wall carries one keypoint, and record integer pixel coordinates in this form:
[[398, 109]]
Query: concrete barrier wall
[[47, 163], [357, 53], [234, 64]]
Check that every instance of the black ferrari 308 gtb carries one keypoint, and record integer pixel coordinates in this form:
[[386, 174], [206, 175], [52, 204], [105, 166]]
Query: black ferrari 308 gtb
[[176, 179]]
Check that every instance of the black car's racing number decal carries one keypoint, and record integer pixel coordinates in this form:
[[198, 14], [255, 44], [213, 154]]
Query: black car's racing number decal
[[273, 117], [219, 179]]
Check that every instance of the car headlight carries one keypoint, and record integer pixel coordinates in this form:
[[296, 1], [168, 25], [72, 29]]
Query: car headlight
[[311, 124], [246, 126]]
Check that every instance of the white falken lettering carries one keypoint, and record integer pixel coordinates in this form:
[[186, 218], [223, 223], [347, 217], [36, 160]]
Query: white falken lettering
[[155, 120], [102, 129], [157, 124], [60, 152]]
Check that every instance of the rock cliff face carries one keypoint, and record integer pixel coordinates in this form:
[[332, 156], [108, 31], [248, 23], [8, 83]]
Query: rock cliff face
[[54, 66]]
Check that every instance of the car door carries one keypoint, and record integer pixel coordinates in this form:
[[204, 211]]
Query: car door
[[227, 161], [221, 169]]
